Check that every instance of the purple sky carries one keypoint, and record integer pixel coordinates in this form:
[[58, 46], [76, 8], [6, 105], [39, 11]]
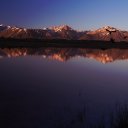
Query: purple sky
[[79, 14]]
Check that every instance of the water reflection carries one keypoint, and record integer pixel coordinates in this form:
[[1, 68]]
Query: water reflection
[[35, 92], [65, 54]]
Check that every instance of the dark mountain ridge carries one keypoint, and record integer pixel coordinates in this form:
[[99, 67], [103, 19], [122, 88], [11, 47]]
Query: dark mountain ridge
[[64, 32]]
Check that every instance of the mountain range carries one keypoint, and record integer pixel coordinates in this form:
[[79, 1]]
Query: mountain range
[[107, 33]]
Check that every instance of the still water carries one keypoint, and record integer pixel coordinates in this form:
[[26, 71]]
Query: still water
[[61, 87]]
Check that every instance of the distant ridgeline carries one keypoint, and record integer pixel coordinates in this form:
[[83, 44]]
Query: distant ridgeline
[[64, 32]]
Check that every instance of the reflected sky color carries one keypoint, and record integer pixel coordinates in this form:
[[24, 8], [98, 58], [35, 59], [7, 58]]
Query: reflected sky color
[[34, 93], [82, 14], [66, 54]]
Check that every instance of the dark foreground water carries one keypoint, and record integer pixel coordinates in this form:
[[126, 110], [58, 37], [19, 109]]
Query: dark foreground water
[[61, 88]]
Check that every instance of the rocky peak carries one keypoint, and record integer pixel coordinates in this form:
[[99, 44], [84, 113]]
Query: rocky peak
[[110, 29], [61, 28], [66, 27], [45, 28], [107, 28]]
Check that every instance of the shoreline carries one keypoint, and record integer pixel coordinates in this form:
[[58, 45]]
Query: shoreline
[[37, 43]]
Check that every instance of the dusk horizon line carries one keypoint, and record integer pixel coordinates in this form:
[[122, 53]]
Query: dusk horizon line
[[60, 25]]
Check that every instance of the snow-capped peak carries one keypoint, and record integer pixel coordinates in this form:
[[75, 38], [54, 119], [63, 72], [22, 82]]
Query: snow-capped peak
[[25, 29], [45, 28], [111, 29], [107, 28], [61, 28], [8, 27]]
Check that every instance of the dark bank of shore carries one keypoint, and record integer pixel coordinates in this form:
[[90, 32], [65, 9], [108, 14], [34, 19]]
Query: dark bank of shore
[[32, 43]]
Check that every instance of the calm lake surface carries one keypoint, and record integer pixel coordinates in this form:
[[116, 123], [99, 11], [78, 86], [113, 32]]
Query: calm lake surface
[[61, 87]]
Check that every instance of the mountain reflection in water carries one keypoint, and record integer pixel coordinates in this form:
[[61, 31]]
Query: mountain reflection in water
[[65, 54], [80, 93]]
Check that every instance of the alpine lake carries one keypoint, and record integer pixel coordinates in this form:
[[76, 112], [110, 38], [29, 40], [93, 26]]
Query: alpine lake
[[62, 87]]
